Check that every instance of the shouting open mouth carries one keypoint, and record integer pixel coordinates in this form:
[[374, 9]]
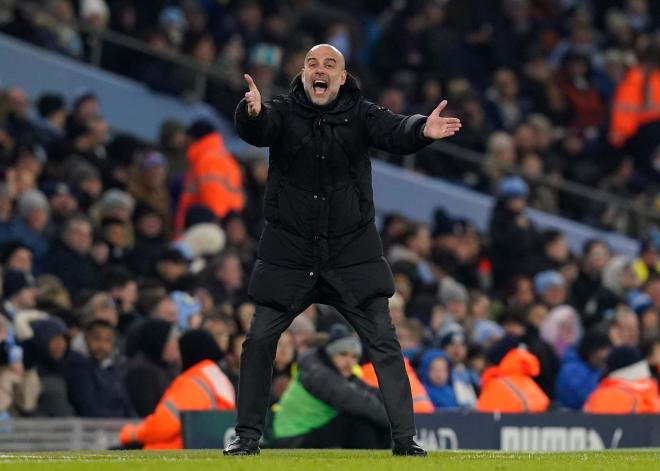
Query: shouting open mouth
[[320, 87]]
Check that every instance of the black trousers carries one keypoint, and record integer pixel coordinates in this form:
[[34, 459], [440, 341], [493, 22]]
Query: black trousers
[[371, 321], [344, 431]]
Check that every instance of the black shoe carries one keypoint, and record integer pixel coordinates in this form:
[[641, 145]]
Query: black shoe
[[242, 446], [408, 448]]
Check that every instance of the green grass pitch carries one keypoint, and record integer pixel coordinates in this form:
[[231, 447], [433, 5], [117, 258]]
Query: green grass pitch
[[335, 460]]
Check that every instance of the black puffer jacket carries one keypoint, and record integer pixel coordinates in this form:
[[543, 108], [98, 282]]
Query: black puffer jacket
[[319, 200]]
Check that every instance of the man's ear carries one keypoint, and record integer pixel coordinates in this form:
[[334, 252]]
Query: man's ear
[[342, 80]]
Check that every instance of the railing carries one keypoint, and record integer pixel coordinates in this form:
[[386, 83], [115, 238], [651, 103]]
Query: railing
[[640, 217], [59, 434], [96, 41]]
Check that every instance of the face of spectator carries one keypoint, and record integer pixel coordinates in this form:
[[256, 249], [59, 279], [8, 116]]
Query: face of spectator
[[92, 186], [397, 314], [165, 310], [25, 298], [506, 84], [480, 308], [537, 314], [524, 136], [230, 273], [18, 102], [245, 315], [344, 362], [439, 372], [457, 352], [524, 293], [236, 232], [393, 99], [477, 363], [627, 329], [517, 205], [555, 295], [457, 309], [629, 279], [100, 342], [89, 109], [37, 219], [171, 354], [78, 236], [171, 271], [557, 249], [116, 235], [63, 205], [150, 226], [21, 260], [408, 339], [126, 296], [220, 332], [57, 347], [597, 359], [421, 243], [323, 73], [514, 329], [597, 258]]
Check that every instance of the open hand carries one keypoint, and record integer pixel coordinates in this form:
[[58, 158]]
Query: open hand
[[438, 127], [253, 97]]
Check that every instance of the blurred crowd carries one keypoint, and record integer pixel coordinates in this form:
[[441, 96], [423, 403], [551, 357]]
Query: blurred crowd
[[113, 249], [554, 88]]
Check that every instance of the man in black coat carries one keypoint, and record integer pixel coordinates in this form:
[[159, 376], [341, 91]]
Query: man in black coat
[[320, 242]]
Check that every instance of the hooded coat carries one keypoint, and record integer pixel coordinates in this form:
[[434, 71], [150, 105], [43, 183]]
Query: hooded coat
[[318, 202], [510, 388]]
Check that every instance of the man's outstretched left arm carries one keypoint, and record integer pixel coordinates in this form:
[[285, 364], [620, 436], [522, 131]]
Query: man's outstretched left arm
[[402, 134]]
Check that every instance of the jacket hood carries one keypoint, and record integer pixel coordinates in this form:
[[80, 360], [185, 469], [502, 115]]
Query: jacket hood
[[425, 363], [517, 362], [348, 96], [612, 273]]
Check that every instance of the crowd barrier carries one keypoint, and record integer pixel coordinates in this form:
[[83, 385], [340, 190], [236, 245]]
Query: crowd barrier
[[553, 431]]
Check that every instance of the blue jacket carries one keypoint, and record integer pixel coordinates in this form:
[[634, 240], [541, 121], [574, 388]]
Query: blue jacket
[[575, 381], [443, 396]]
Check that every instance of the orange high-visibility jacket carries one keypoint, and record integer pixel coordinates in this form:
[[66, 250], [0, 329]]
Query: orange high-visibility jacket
[[201, 387], [618, 396], [636, 102], [509, 387], [214, 180], [421, 402]]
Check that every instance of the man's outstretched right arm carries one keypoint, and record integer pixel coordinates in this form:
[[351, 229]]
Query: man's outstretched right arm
[[257, 123]]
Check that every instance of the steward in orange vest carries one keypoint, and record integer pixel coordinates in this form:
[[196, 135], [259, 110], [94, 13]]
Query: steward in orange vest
[[214, 178], [201, 386], [637, 98], [509, 386], [421, 402], [628, 388]]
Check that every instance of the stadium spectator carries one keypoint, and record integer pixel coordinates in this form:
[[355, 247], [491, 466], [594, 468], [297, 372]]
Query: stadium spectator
[[327, 406], [47, 352], [70, 260], [581, 370], [201, 386], [464, 382], [93, 382], [213, 179], [627, 388], [152, 369], [508, 385], [421, 402], [435, 373]]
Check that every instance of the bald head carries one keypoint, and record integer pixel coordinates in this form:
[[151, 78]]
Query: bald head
[[323, 72], [327, 50]]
